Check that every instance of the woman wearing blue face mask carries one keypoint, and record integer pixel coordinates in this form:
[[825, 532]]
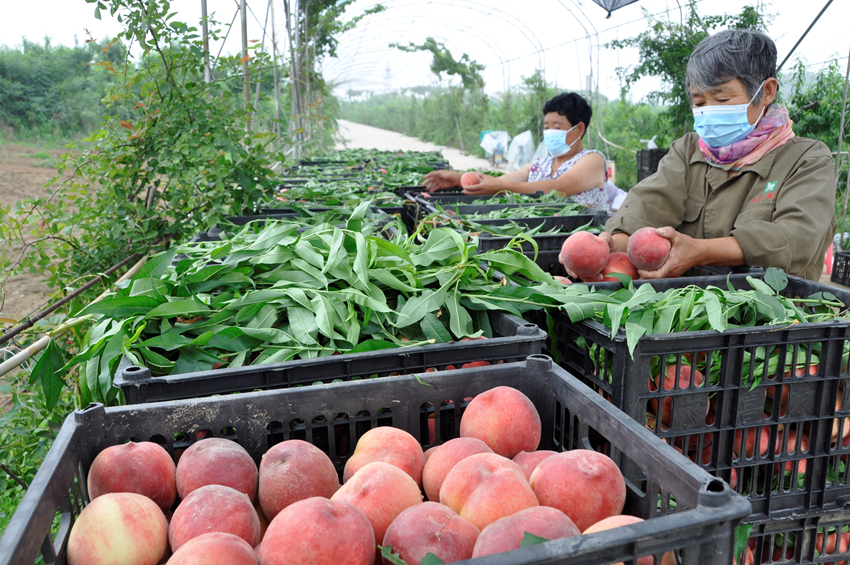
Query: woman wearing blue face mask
[[742, 189], [569, 168]]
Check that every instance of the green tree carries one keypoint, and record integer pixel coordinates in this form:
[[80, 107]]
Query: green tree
[[462, 107], [169, 158], [664, 49]]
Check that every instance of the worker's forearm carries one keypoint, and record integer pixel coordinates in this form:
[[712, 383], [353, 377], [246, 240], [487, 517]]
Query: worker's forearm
[[721, 252]]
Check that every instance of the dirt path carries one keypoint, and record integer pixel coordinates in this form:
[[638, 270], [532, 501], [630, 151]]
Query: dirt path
[[23, 174], [359, 136]]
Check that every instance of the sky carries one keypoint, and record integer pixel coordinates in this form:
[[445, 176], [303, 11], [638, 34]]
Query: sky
[[512, 38]]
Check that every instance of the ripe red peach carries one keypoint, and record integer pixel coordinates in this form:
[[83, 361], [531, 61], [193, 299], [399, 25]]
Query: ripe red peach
[[506, 533], [294, 470], [215, 548], [485, 487], [318, 531], [446, 457], [381, 491], [388, 445], [749, 441], [843, 545], [504, 419], [427, 528], [615, 522], [469, 179], [528, 460], [798, 444], [585, 485], [118, 527], [584, 254], [647, 250], [145, 468], [689, 377], [214, 508], [216, 461], [618, 262]]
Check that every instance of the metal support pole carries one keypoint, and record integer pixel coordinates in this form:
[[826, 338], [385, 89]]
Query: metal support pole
[[276, 75], [246, 76], [206, 32], [805, 33]]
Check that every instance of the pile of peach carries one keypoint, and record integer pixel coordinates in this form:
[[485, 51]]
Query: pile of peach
[[588, 256], [485, 491]]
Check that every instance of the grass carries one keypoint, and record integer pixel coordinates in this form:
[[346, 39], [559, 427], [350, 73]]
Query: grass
[[27, 431]]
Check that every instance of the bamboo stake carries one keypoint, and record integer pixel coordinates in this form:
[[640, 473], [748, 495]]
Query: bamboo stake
[[35, 348]]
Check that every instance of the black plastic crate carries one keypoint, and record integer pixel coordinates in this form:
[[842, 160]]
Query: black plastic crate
[[799, 540], [648, 159], [420, 188], [708, 421], [687, 510], [545, 242], [841, 268], [514, 340]]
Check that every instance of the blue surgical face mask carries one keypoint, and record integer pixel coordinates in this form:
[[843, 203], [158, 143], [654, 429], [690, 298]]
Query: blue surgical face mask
[[721, 125], [555, 141]]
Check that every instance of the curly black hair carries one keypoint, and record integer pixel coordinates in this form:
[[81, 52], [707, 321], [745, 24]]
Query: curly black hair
[[572, 106]]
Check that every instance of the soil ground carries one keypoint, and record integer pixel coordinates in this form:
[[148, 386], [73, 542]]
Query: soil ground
[[23, 174], [359, 136]]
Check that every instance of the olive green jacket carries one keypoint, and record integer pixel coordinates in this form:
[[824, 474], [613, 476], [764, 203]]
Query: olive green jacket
[[780, 209]]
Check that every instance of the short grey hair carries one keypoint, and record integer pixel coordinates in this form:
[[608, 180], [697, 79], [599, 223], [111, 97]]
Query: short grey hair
[[735, 53]]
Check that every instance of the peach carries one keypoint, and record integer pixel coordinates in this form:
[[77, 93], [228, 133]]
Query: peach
[[618, 262], [750, 558], [506, 533], [831, 549], [446, 457], [215, 548], [584, 254], [615, 522], [647, 250], [469, 179], [504, 419], [485, 487], [388, 445], [585, 485], [145, 468], [688, 378], [216, 461], [427, 528], [214, 508], [798, 444], [294, 470], [264, 522], [381, 491], [528, 460], [118, 527], [428, 453], [749, 443], [318, 531]]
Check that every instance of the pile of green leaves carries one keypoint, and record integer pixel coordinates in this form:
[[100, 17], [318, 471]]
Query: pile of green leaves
[[553, 197], [508, 229], [528, 211], [280, 295], [341, 193]]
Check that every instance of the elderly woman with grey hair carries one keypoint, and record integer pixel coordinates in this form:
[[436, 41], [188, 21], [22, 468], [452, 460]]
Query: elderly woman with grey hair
[[742, 189]]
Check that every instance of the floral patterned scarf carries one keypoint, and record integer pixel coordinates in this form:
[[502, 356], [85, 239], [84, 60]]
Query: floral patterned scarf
[[772, 131]]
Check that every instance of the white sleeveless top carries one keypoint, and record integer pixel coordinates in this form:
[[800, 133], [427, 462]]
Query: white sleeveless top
[[541, 169]]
